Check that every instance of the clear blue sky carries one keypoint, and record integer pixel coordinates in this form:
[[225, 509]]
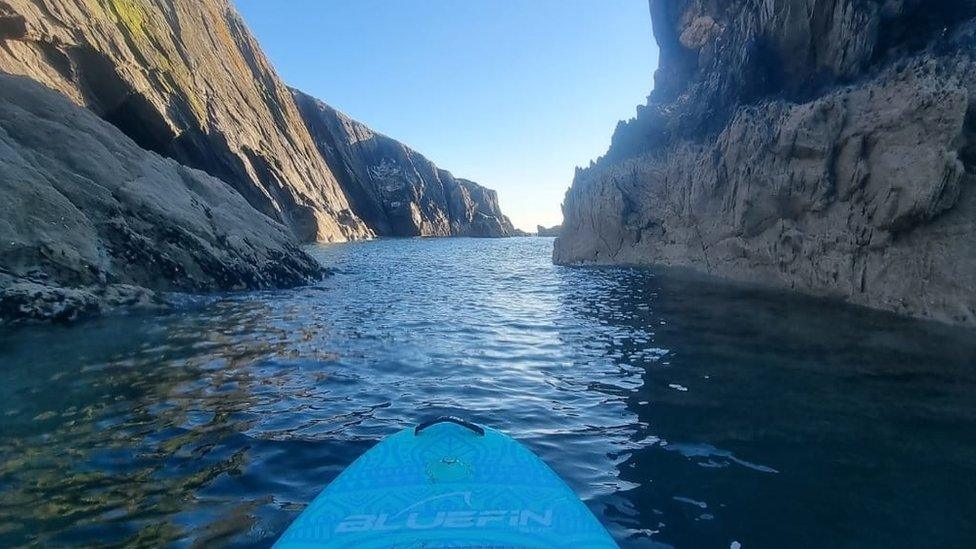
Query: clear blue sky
[[512, 94]]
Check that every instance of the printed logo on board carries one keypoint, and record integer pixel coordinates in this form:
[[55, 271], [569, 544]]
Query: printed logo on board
[[515, 518]]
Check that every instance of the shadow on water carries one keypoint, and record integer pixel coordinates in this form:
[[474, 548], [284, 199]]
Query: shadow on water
[[685, 412], [775, 420]]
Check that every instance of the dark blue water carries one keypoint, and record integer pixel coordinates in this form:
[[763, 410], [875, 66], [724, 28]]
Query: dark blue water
[[685, 412]]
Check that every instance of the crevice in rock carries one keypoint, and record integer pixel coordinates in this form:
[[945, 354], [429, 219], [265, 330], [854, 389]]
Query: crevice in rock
[[139, 119], [967, 153], [12, 27], [114, 99]]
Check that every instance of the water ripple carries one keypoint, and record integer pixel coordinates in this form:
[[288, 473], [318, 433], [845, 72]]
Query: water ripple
[[684, 412]]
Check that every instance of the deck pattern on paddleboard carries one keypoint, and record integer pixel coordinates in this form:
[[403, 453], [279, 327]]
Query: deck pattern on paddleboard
[[447, 487]]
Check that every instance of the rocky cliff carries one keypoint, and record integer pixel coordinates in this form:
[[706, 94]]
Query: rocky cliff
[[548, 231], [89, 220], [394, 189], [184, 78], [826, 146]]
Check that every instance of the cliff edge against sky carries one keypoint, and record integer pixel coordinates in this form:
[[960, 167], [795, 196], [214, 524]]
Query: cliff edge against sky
[[394, 189], [824, 146], [185, 79], [94, 217]]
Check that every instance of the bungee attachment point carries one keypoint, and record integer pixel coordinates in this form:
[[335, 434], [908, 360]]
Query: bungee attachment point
[[450, 419]]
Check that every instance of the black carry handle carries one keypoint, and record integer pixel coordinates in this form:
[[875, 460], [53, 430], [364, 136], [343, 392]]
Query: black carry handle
[[449, 419]]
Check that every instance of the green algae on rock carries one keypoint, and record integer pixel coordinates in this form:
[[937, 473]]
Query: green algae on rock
[[185, 79]]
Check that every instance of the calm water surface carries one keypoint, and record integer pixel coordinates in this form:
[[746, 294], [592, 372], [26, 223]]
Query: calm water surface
[[686, 413]]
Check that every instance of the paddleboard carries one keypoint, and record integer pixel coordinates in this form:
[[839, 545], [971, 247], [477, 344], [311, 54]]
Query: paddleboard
[[447, 483]]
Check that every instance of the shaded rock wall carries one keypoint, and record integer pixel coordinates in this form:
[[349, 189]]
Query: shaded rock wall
[[90, 220], [184, 78], [394, 189], [827, 146]]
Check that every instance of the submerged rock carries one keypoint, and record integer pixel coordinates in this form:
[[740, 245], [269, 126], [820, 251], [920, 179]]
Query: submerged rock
[[396, 190], [826, 146], [89, 220], [185, 79], [25, 300]]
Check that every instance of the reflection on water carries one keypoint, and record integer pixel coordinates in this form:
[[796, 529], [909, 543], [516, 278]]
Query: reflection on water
[[685, 412]]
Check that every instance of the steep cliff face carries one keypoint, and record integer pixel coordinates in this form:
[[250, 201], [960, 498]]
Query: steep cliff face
[[89, 220], [828, 146], [394, 189], [183, 78]]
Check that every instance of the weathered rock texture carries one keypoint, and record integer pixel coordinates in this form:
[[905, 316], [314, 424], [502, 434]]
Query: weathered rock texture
[[548, 231], [394, 189], [828, 146], [89, 220], [184, 78]]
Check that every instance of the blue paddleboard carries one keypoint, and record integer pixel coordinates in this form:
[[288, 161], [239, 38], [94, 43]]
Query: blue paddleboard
[[447, 483]]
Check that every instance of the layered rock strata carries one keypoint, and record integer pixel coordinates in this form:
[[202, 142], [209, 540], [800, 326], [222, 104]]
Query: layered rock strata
[[185, 79], [90, 221]]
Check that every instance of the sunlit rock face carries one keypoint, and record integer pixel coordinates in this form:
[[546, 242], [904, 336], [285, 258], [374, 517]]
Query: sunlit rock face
[[185, 79], [394, 189], [89, 220], [825, 146]]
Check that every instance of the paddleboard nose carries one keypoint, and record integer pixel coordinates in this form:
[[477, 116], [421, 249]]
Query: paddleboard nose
[[447, 483]]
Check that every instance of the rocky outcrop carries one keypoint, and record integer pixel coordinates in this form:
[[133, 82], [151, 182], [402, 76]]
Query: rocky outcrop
[[184, 78], [826, 146], [89, 220], [551, 231], [394, 189]]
